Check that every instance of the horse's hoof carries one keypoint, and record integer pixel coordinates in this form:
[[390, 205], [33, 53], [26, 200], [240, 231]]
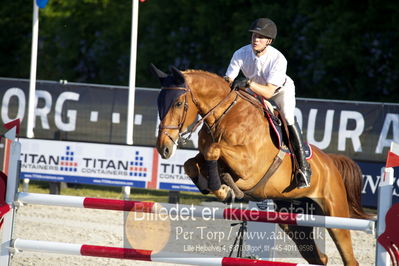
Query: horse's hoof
[[230, 182], [230, 198], [223, 193], [323, 258]]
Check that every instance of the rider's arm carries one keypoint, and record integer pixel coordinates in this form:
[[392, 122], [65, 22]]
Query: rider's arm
[[234, 68], [267, 91]]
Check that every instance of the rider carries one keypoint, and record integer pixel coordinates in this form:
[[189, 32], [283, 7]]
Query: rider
[[264, 68]]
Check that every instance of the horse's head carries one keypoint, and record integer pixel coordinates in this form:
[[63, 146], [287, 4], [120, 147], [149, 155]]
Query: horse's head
[[176, 110]]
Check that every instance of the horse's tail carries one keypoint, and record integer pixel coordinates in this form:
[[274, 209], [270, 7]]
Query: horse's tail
[[352, 177]]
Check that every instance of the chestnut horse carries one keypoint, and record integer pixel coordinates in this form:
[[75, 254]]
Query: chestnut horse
[[239, 138]]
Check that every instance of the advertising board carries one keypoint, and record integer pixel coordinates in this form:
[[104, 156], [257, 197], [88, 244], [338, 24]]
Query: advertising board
[[103, 164]]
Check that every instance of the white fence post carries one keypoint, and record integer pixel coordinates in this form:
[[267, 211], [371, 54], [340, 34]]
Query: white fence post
[[13, 152], [384, 203]]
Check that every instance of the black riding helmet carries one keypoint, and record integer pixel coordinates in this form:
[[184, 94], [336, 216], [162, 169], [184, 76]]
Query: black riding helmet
[[265, 27]]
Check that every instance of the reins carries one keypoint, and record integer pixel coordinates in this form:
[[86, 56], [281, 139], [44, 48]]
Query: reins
[[199, 122]]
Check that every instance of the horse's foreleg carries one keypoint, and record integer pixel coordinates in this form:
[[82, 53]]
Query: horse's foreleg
[[192, 167], [214, 182], [212, 155]]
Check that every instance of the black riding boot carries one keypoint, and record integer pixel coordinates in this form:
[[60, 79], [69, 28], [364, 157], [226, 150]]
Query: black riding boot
[[304, 172]]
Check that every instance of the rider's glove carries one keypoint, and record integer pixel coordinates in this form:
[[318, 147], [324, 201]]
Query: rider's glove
[[240, 83], [227, 79]]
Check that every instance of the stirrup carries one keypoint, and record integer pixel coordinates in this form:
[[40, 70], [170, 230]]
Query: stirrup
[[303, 181]]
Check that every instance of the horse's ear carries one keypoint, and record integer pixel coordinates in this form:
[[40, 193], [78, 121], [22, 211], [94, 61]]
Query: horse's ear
[[157, 72], [177, 75]]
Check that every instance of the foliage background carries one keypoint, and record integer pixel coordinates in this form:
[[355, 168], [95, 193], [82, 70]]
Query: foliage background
[[335, 49]]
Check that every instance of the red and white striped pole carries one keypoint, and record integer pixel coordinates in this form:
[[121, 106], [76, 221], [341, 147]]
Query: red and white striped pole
[[135, 254], [192, 211]]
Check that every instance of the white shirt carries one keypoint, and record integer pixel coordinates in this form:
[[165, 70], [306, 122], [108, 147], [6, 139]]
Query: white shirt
[[271, 67]]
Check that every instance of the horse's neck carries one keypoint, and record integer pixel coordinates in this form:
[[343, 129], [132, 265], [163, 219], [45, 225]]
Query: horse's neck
[[207, 95]]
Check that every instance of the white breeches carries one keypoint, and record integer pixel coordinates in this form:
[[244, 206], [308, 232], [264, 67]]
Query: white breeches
[[285, 100]]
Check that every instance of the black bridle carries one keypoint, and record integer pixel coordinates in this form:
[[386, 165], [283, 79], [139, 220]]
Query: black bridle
[[182, 139], [179, 126]]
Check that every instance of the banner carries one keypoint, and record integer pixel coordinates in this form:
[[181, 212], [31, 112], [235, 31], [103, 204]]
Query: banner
[[371, 181], [104, 164], [361, 130]]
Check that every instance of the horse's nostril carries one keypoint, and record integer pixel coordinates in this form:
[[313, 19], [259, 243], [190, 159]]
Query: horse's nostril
[[166, 151]]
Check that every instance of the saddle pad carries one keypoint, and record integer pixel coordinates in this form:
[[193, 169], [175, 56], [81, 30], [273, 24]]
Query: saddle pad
[[276, 125]]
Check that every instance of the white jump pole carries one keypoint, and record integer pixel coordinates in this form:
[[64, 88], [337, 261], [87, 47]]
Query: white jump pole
[[192, 211]]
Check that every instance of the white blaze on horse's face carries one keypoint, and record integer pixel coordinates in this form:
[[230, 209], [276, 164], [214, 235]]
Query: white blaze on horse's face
[[166, 144], [174, 148]]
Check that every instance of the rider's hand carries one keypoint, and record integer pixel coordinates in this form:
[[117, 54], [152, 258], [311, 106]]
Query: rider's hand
[[240, 83], [227, 79]]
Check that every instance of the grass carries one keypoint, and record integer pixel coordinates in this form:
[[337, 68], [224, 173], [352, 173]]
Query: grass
[[116, 193]]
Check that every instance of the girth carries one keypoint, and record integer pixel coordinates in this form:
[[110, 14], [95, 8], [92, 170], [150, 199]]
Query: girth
[[248, 194]]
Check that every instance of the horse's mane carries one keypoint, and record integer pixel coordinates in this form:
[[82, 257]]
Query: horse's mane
[[197, 71], [216, 79]]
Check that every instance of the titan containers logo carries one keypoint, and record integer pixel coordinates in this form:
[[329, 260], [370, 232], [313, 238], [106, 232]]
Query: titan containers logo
[[67, 162], [111, 164], [50, 162], [133, 167], [137, 168]]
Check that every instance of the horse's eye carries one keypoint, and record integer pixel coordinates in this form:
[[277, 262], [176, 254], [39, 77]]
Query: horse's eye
[[178, 104]]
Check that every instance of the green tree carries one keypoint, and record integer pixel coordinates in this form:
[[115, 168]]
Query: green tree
[[86, 41], [15, 35]]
